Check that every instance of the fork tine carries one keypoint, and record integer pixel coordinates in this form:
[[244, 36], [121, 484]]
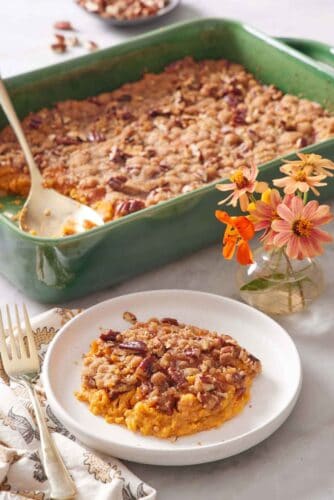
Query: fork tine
[[30, 335], [12, 341], [3, 345], [20, 335]]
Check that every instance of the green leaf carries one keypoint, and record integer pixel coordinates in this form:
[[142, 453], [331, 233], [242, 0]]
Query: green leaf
[[257, 284], [276, 276], [269, 281]]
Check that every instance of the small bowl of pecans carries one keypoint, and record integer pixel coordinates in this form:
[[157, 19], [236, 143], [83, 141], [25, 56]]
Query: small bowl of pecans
[[129, 12]]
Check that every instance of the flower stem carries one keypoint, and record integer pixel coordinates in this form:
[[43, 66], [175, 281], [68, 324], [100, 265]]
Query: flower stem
[[252, 198], [298, 283], [289, 291]]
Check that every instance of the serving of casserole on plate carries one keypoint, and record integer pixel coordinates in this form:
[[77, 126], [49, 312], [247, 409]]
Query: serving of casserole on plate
[[142, 132], [167, 393], [167, 379]]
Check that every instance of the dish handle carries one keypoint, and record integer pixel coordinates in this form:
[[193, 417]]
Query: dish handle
[[319, 51]]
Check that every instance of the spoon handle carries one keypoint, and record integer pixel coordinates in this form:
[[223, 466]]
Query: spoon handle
[[9, 111]]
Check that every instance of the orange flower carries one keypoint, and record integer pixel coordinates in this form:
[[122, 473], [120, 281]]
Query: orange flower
[[238, 232]]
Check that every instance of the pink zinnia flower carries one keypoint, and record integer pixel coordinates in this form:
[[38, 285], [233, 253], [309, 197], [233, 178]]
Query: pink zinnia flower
[[243, 184], [298, 228], [263, 215]]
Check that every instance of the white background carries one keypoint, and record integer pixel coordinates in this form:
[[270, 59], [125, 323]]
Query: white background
[[297, 462]]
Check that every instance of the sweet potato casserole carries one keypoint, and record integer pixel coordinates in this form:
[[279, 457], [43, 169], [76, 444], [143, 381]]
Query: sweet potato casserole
[[164, 135], [167, 379]]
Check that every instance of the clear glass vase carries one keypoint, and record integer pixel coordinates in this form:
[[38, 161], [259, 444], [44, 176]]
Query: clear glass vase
[[276, 284]]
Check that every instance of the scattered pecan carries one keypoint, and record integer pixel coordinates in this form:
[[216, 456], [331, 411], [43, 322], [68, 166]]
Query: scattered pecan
[[91, 46], [60, 48], [63, 25], [59, 38]]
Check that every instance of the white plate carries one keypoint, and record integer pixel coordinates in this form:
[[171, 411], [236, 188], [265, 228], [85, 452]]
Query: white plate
[[273, 396]]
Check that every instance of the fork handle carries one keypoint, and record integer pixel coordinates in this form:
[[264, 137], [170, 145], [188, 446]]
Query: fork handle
[[61, 485]]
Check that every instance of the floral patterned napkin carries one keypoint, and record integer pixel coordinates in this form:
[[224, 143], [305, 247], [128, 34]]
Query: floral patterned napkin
[[21, 472]]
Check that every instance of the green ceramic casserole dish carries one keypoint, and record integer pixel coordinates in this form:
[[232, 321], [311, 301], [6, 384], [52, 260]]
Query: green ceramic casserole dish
[[57, 270]]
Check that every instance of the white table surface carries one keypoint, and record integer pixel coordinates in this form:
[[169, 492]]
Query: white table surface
[[297, 462]]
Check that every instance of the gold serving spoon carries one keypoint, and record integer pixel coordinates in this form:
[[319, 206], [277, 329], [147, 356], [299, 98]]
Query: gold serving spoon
[[46, 212]]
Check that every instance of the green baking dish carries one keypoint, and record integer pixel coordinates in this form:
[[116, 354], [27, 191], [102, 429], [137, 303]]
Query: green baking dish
[[57, 270]]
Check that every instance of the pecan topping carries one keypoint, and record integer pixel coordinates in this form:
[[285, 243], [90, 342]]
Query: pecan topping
[[108, 336], [170, 321], [134, 345], [124, 98], [146, 364], [65, 140], [176, 376], [166, 142], [35, 122], [117, 155], [128, 206], [130, 317], [116, 182], [168, 369], [95, 136]]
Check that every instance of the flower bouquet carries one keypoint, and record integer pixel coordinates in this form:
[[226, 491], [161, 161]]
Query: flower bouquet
[[281, 276]]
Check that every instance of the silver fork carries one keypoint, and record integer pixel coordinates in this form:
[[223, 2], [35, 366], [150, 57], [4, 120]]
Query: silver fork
[[22, 365]]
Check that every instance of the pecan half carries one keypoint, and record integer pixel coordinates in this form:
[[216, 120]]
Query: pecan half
[[134, 345], [170, 321], [130, 317], [109, 335], [63, 25]]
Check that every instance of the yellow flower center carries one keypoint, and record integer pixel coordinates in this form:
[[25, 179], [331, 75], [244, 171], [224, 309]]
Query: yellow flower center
[[302, 227], [239, 179], [300, 176]]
